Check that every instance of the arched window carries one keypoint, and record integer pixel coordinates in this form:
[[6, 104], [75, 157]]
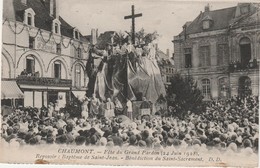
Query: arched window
[[57, 69], [56, 26], [76, 34], [29, 19], [206, 91], [30, 65], [78, 76], [223, 87], [245, 51]]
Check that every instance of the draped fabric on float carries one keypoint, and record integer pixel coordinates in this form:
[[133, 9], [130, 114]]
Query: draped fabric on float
[[146, 79], [129, 78]]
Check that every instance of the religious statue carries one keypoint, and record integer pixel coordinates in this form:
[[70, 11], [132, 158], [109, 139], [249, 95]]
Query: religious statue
[[94, 105], [84, 107]]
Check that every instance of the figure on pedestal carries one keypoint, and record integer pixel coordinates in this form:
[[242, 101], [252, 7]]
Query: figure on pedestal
[[129, 109], [94, 106], [84, 107]]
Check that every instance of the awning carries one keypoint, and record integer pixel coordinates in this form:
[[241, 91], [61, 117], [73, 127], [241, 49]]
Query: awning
[[35, 87], [10, 90], [79, 94]]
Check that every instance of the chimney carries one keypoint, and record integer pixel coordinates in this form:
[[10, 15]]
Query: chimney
[[24, 2], [185, 31], [94, 36], [57, 9], [97, 33], [168, 52], [207, 8], [53, 5]]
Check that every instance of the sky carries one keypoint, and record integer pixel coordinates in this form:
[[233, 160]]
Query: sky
[[165, 16]]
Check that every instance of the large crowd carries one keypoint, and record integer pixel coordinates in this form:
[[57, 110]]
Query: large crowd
[[225, 125]]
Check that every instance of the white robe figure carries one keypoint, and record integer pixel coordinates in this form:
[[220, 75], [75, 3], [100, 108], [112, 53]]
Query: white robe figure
[[84, 112], [109, 109]]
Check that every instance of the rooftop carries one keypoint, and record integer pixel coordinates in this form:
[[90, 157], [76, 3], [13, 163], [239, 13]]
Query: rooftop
[[43, 19]]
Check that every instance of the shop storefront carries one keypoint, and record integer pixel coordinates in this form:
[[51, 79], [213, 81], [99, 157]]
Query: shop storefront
[[41, 91]]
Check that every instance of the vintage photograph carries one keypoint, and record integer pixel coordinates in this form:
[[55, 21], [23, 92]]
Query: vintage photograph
[[140, 83]]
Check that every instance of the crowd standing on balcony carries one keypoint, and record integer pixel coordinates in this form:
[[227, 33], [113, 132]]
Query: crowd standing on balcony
[[237, 65], [226, 126], [25, 73]]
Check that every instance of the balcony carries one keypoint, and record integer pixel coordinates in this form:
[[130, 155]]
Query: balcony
[[43, 81], [238, 66]]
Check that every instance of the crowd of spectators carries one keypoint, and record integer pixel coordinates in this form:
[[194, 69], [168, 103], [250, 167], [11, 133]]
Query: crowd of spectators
[[226, 125]]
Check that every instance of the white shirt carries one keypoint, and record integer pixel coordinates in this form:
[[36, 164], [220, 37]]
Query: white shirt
[[129, 106]]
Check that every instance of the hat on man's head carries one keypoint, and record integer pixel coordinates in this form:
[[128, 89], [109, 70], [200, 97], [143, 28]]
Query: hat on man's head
[[141, 143], [247, 143]]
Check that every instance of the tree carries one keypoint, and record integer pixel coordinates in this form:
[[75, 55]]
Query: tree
[[183, 95]]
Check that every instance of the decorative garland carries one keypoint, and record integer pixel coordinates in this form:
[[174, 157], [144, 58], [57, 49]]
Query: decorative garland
[[50, 36]]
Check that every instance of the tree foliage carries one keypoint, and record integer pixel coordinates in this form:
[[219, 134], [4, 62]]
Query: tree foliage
[[183, 94]]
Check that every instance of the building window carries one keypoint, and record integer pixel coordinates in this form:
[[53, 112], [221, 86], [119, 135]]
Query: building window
[[206, 88], [29, 17], [57, 70], [58, 48], [188, 59], [77, 76], [31, 42], [56, 26], [76, 34], [245, 51], [204, 56], [206, 24], [30, 65], [223, 87], [222, 54]]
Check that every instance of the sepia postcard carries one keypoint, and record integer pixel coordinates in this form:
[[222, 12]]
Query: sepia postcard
[[130, 83]]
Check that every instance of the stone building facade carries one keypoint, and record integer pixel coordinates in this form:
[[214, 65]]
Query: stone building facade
[[42, 55], [166, 65], [221, 50]]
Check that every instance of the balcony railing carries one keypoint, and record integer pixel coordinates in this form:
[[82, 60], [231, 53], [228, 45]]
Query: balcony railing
[[43, 81], [238, 66]]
